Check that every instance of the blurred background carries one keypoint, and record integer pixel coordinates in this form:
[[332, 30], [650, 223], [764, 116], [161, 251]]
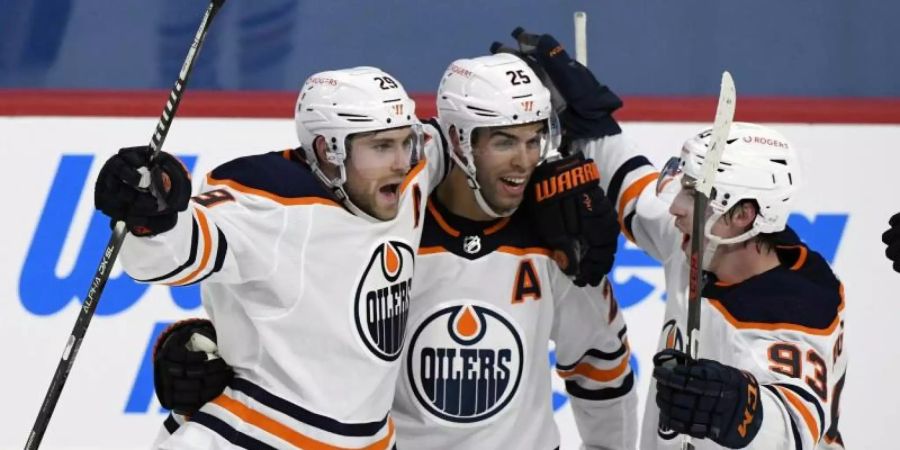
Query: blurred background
[[80, 79], [829, 48]]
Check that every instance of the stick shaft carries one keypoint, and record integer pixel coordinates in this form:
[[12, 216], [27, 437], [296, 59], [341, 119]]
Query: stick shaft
[[580, 19], [175, 95], [101, 276], [704, 188]]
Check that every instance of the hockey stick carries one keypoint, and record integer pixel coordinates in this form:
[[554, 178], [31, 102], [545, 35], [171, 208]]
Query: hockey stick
[[115, 243], [704, 191], [580, 18]]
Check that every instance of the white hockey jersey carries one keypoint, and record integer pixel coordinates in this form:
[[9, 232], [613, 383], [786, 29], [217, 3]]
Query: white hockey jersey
[[310, 302], [488, 298], [784, 326]]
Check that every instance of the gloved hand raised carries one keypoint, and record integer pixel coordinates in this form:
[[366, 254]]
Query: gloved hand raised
[[147, 195], [584, 105], [574, 218]]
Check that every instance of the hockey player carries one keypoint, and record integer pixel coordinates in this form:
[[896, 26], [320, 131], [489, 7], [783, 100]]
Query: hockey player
[[891, 238], [306, 258], [771, 338], [488, 297]]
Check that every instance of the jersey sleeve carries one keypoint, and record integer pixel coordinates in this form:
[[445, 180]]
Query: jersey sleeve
[[593, 357], [225, 235], [629, 180], [800, 371]]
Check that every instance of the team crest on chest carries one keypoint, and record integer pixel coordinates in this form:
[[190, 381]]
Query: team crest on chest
[[382, 299], [465, 362]]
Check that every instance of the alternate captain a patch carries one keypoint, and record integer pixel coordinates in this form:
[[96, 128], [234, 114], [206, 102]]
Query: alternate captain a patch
[[382, 299], [465, 362]]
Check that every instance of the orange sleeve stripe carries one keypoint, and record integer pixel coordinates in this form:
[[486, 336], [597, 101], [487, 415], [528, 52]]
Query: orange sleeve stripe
[[276, 198], [523, 251], [803, 410], [841, 293], [431, 250], [440, 220], [601, 375], [782, 326], [633, 191], [412, 174], [207, 244], [285, 433]]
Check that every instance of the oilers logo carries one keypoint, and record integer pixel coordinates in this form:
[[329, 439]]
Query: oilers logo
[[465, 362], [673, 337], [382, 299]]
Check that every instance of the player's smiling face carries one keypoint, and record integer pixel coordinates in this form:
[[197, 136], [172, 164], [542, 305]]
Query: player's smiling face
[[376, 165], [505, 157]]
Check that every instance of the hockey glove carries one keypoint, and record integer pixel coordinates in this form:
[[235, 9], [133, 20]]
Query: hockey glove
[[891, 237], [706, 399], [573, 217], [146, 195], [187, 369], [586, 106]]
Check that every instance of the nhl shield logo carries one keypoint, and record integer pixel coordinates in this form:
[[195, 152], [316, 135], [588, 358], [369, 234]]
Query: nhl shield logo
[[472, 244], [382, 299], [465, 362]]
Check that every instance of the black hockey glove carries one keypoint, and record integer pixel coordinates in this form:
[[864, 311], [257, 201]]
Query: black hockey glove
[[187, 369], [586, 106], [146, 195], [891, 237], [706, 399], [573, 217]]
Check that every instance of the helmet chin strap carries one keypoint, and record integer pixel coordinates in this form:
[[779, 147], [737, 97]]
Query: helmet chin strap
[[469, 170], [482, 203], [713, 241], [355, 209], [337, 188]]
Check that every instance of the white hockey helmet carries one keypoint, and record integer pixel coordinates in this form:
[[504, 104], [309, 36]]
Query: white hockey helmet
[[492, 91], [758, 164], [339, 103]]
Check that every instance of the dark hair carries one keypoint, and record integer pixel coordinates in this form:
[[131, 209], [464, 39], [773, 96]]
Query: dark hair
[[763, 241]]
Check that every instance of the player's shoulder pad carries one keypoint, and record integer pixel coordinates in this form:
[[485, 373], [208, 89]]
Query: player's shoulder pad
[[803, 292], [804, 261], [281, 173]]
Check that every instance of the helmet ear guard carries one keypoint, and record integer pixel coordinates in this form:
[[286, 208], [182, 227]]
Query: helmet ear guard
[[335, 105], [491, 91]]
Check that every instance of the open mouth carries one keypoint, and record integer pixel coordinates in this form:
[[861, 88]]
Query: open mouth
[[513, 181], [390, 190], [513, 185], [685, 240]]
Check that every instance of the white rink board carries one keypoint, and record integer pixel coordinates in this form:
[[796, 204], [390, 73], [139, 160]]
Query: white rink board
[[108, 401]]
